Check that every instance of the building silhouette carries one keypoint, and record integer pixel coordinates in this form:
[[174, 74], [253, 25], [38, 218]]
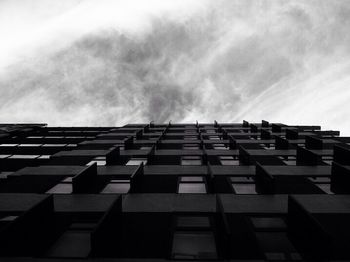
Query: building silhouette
[[159, 192]]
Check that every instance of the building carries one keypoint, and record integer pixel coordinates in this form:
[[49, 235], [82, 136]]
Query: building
[[158, 192]]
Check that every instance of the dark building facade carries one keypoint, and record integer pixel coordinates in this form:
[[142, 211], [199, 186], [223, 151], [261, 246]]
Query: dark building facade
[[158, 192]]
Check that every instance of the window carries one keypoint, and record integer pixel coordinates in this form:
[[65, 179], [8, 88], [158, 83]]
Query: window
[[241, 179], [136, 161], [327, 159], [228, 161], [192, 184], [243, 189], [192, 188], [326, 187], [44, 157], [54, 145], [8, 218], [194, 245], [192, 179], [5, 174], [320, 179], [64, 187], [117, 187], [289, 160], [100, 161], [145, 147], [193, 221], [190, 147], [190, 137], [268, 223], [24, 156], [67, 180], [277, 247], [220, 146], [30, 145], [273, 240], [191, 161], [193, 238], [275, 256], [268, 146], [75, 242]]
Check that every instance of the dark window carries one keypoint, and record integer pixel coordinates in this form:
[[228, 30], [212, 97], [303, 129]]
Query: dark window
[[228, 161], [190, 137], [192, 221], [220, 146], [325, 187], [241, 179], [73, 243], [192, 188], [194, 245], [244, 188], [190, 147], [98, 161], [136, 161], [8, 218], [117, 187], [24, 156], [192, 179], [264, 223], [61, 188], [64, 187], [191, 161], [276, 245]]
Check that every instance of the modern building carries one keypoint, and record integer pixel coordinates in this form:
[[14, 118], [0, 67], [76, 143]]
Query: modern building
[[159, 192]]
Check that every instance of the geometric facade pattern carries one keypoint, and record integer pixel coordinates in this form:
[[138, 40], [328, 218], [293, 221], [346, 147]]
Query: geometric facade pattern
[[159, 192]]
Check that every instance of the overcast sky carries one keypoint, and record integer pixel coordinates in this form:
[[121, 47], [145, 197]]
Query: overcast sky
[[102, 62]]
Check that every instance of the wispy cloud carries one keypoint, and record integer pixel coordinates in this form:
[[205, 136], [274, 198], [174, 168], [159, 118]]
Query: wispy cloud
[[284, 61]]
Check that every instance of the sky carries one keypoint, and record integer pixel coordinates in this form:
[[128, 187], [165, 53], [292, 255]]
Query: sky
[[108, 63]]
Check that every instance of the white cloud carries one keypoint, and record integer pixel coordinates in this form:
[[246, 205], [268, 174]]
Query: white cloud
[[113, 62]]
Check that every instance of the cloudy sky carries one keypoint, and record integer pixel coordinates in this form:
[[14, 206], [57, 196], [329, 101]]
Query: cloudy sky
[[100, 62]]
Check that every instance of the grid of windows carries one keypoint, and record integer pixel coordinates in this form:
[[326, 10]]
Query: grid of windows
[[221, 191]]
